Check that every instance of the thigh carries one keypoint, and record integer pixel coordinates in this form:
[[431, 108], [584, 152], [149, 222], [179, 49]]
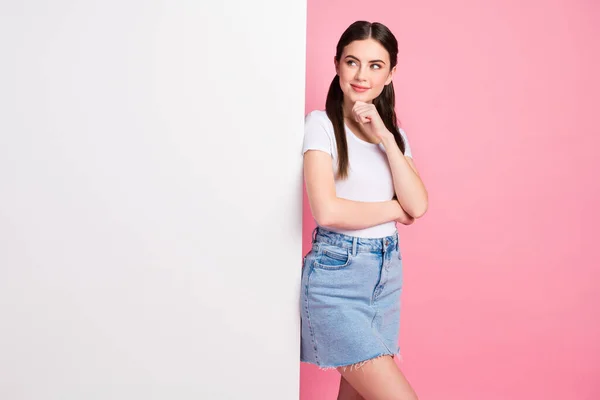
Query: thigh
[[379, 379], [347, 392]]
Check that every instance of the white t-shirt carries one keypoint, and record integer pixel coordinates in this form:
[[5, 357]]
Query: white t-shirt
[[369, 175]]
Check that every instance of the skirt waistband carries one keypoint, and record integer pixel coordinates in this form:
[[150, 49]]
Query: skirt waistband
[[357, 244]]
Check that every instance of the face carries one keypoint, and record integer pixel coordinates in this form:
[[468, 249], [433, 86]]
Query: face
[[364, 70]]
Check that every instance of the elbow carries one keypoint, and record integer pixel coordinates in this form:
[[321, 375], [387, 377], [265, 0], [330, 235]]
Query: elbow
[[324, 218], [419, 210], [325, 215], [418, 213]]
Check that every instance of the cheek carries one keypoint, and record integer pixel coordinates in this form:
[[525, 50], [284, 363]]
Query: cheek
[[379, 80], [346, 74]]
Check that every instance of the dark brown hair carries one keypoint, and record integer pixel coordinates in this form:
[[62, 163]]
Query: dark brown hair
[[384, 103]]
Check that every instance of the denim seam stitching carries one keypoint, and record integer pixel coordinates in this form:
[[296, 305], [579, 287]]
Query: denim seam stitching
[[310, 327]]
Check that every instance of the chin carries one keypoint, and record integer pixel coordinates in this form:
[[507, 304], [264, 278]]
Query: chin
[[353, 96], [365, 99]]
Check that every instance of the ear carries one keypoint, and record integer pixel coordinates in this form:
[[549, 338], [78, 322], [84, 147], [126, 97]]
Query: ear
[[337, 66], [391, 76]]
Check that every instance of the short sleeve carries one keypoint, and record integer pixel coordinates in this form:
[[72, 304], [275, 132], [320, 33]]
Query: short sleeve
[[407, 149], [317, 136]]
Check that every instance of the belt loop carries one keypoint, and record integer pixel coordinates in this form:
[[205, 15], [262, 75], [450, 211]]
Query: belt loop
[[397, 241], [354, 246], [314, 234]]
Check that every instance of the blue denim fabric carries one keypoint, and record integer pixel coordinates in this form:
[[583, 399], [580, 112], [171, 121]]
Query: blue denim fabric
[[350, 299]]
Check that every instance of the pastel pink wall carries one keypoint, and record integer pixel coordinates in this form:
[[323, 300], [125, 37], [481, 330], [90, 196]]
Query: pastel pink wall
[[498, 98]]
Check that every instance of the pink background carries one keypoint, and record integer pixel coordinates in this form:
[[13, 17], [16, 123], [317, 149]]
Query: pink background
[[502, 274]]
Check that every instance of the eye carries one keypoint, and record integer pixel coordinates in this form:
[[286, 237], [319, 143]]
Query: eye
[[376, 66], [350, 62]]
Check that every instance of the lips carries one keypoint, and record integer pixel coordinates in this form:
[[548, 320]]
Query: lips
[[359, 89]]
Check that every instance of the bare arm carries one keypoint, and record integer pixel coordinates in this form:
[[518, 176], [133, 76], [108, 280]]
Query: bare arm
[[409, 187], [405, 219], [331, 211]]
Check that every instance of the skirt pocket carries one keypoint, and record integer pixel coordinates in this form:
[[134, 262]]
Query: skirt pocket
[[332, 257]]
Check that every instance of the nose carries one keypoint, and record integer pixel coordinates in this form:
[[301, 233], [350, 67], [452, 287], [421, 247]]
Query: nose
[[360, 74]]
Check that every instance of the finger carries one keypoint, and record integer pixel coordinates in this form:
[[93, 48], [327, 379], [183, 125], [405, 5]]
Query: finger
[[363, 119], [362, 107], [360, 110], [360, 117], [365, 115]]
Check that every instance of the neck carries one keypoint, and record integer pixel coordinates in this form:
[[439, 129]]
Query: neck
[[347, 107]]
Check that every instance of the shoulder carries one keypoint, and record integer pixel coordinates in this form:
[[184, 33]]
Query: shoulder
[[317, 120], [317, 116], [318, 132], [407, 148], [402, 133]]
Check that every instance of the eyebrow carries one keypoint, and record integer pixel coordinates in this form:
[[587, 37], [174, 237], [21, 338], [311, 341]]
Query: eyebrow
[[372, 61]]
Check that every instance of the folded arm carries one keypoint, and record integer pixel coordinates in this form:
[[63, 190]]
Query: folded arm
[[410, 190], [331, 211]]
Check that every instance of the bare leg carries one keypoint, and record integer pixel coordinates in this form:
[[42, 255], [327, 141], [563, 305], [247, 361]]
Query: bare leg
[[347, 392], [379, 379]]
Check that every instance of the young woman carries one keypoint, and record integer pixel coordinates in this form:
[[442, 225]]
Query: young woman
[[361, 180]]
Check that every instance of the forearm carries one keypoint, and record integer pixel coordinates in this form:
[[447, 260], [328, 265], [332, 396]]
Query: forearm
[[405, 218], [347, 214], [409, 188]]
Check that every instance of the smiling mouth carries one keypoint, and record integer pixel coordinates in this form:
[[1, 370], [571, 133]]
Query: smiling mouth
[[359, 88]]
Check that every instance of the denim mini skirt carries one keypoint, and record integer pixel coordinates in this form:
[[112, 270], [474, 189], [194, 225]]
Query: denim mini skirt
[[350, 299]]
